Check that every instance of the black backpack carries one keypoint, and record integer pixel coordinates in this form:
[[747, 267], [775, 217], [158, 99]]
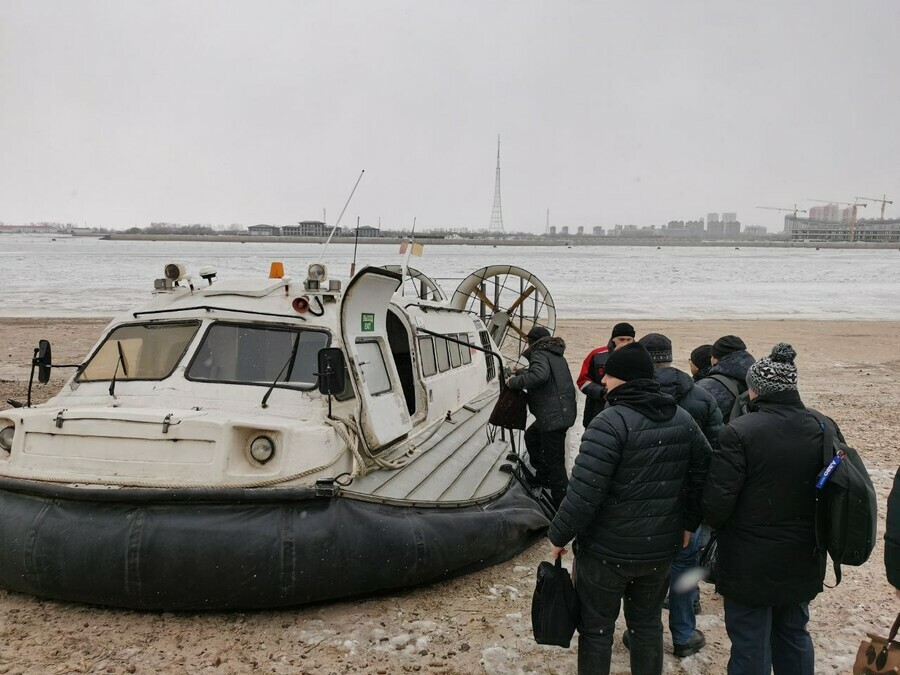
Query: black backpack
[[741, 397], [846, 506]]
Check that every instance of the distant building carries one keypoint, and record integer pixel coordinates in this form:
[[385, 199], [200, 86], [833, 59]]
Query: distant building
[[598, 231], [830, 213], [729, 217], [752, 231], [553, 230], [874, 230], [580, 231], [732, 229], [368, 231], [314, 228], [715, 229], [712, 218], [680, 229], [695, 227], [264, 230], [565, 230]]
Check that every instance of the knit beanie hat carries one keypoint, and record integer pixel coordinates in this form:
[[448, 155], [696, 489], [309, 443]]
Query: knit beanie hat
[[623, 330], [700, 356], [537, 332], [631, 362], [775, 372], [726, 345], [658, 346]]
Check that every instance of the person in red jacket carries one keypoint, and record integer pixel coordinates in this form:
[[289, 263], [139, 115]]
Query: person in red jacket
[[592, 370]]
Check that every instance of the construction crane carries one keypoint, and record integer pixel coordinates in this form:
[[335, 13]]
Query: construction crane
[[777, 208], [852, 213], [884, 201]]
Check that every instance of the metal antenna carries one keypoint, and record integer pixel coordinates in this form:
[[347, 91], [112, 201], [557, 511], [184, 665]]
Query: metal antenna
[[334, 229], [497, 213]]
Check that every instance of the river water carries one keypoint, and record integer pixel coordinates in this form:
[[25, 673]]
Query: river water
[[81, 276]]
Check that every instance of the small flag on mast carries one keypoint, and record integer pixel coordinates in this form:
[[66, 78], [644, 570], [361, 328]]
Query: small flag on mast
[[414, 248]]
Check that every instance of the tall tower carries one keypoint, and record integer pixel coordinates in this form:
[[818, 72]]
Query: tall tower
[[497, 213]]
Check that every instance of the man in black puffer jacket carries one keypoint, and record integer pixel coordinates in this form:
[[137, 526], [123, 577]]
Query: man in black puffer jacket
[[633, 503], [730, 361], [686, 639], [761, 498], [551, 399], [892, 536]]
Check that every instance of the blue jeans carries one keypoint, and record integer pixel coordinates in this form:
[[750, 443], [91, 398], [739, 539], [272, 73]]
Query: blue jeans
[[601, 587], [763, 638], [682, 623]]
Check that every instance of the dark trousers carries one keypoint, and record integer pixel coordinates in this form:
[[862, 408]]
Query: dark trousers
[[547, 453], [763, 638], [601, 587]]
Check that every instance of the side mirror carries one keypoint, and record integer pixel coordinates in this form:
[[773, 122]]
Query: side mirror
[[332, 371], [44, 361]]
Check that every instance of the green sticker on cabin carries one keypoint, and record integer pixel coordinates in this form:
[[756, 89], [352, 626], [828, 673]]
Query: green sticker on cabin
[[368, 322]]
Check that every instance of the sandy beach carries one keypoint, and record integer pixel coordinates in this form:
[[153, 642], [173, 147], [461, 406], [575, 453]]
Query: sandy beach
[[478, 623]]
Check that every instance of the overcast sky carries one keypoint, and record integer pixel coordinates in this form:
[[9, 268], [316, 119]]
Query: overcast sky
[[120, 113]]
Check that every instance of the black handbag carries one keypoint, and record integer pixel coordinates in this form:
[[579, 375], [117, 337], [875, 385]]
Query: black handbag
[[511, 410], [554, 607]]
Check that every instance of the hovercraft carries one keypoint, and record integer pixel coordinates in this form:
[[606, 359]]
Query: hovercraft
[[266, 443]]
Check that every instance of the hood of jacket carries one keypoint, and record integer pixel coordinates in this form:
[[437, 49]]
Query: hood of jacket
[[552, 344], [644, 396], [674, 382], [703, 372], [735, 364]]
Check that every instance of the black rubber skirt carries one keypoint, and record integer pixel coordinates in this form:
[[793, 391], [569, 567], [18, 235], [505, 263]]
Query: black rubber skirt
[[151, 549]]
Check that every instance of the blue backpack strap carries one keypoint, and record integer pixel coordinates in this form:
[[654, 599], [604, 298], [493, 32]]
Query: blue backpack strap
[[821, 507]]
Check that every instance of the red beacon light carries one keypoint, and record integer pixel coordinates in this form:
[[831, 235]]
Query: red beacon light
[[301, 304]]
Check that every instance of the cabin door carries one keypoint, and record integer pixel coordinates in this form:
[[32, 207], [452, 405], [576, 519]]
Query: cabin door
[[384, 415]]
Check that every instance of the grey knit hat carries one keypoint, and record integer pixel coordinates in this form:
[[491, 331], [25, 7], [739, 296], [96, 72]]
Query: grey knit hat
[[775, 372]]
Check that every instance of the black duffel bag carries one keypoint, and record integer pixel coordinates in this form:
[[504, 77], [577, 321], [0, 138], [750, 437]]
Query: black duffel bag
[[554, 608], [511, 410]]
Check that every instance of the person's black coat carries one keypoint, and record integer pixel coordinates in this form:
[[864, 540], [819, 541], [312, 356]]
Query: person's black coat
[[637, 480], [734, 365], [593, 389], [892, 535], [760, 495], [697, 401], [548, 382]]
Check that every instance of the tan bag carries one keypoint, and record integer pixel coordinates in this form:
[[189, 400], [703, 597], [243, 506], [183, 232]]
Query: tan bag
[[878, 655]]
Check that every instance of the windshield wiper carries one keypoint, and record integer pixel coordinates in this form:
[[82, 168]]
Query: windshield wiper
[[120, 360], [282, 371]]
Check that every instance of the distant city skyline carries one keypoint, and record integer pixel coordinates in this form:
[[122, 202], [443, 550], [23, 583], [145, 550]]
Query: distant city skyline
[[122, 114]]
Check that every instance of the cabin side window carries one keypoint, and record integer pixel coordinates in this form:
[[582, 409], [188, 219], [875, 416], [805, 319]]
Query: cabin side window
[[426, 355], [464, 351], [140, 352], [443, 356], [489, 364], [260, 355], [455, 359]]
